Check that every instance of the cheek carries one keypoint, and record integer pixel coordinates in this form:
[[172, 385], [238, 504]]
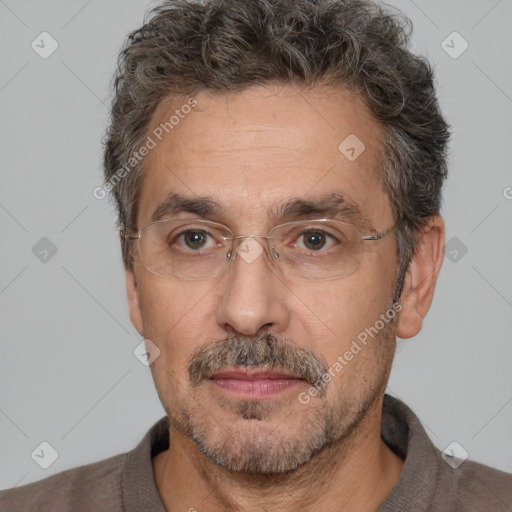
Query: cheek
[[174, 317], [334, 313], [353, 340]]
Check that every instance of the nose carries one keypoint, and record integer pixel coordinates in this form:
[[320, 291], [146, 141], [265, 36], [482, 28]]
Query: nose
[[253, 296]]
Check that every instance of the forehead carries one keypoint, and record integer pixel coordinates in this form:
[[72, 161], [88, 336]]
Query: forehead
[[253, 149]]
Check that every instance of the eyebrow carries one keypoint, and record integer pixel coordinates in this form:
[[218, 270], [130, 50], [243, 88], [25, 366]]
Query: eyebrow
[[333, 205], [176, 203]]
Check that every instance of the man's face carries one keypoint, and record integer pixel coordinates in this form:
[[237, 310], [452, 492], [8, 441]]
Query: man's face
[[251, 152]]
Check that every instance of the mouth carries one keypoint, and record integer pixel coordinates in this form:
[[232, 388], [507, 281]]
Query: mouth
[[254, 384]]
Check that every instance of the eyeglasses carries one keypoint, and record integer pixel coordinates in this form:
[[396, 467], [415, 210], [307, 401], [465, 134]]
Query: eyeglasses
[[194, 249]]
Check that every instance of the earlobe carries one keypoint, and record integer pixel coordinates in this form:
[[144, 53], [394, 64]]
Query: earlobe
[[421, 277], [132, 294]]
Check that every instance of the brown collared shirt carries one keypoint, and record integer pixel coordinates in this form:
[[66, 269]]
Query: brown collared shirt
[[126, 483]]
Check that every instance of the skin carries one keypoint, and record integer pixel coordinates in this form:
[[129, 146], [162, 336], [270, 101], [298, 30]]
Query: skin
[[242, 149]]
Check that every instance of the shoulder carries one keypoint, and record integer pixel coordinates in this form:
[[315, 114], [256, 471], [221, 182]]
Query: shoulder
[[95, 486], [481, 487], [431, 481]]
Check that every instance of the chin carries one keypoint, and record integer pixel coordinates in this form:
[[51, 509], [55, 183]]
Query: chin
[[258, 440]]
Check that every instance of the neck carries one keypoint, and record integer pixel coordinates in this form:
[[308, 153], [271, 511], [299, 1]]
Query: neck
[[357, 473]]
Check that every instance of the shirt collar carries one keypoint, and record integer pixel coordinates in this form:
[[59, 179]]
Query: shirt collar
[[138, 484], [402, 431]]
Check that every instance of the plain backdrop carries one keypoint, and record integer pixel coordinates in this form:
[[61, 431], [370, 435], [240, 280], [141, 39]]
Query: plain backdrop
[[68, 375]]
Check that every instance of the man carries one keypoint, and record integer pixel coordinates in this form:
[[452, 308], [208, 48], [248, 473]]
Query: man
[[277, 168]]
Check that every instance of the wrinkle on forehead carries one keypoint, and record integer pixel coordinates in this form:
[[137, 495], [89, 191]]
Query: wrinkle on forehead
[[247, 148]]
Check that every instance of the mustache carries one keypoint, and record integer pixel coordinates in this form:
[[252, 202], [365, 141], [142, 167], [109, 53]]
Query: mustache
[[266, 350]]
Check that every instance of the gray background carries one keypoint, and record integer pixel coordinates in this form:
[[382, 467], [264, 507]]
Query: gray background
[[68, 375]]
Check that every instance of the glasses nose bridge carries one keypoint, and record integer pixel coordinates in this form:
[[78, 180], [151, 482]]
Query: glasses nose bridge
[[237, 240]]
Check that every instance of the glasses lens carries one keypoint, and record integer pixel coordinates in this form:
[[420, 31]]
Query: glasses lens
[[317, 250], [184, 249], [196, 249]]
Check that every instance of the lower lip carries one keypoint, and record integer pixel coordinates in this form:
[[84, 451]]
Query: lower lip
[[262, 388]]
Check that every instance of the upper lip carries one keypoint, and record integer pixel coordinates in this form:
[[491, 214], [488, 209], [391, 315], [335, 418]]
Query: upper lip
[[245, 374]]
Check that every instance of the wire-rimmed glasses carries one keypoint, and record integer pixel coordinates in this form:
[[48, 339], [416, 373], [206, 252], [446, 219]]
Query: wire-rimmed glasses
[[197, 249]]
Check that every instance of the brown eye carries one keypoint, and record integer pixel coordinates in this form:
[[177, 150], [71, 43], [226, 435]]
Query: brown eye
[[314, 240], [195, 239]]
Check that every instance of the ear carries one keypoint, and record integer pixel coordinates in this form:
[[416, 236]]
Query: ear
[[421, 277], [133, 300]]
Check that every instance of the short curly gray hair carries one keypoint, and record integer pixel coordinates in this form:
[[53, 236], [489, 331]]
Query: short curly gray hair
[[186, 46]]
